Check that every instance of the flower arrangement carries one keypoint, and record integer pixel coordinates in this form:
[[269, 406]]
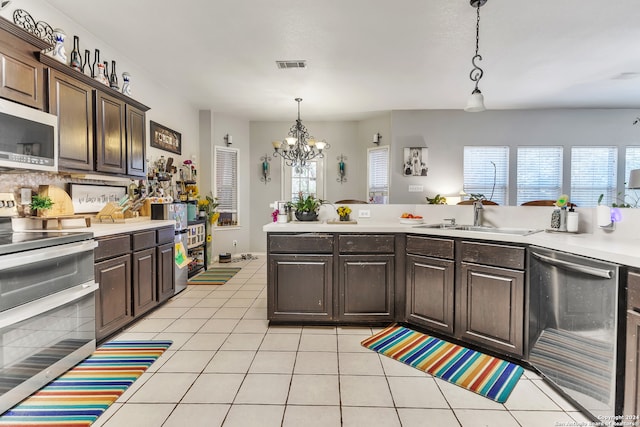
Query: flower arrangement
[[209, 205], [274, 215], [344, 212], [40, 203]]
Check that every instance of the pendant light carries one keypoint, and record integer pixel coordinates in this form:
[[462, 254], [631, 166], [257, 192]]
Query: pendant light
[[476, 99]]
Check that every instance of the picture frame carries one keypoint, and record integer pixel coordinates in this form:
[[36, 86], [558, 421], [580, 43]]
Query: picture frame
[[165, 139], [415, 161], [89, 198]]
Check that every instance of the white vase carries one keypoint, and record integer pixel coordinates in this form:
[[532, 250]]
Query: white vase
[[126, 83], [59, 53]]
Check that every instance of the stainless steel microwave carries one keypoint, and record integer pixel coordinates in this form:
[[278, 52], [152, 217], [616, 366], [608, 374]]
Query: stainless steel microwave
[[28, 138]]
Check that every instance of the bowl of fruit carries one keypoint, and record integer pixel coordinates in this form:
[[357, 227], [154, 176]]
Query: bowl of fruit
[[407, 218]]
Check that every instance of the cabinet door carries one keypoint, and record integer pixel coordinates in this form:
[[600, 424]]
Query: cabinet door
[[144, 281], [113, 298], [136, 141], [166, 279], [72, 101], [430, 290], [366, 287], [491, 307], [632, 372], [110, 134], [22, 80], [300, 287]]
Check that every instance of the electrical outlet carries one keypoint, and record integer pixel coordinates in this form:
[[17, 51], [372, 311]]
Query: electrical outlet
[[416, 188], [235, 243], [25, 196], [364, 213]]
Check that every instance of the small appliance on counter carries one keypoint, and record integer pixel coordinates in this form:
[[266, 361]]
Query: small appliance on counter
[[178, 213]]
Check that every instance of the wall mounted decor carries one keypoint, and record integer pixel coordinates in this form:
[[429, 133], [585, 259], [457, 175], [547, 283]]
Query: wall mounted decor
[[165, 139], [415, 161], [265, 169], [342, 169], [40, 29]]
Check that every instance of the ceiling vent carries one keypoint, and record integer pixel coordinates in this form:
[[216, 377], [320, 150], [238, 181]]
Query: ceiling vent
[[283, 65]]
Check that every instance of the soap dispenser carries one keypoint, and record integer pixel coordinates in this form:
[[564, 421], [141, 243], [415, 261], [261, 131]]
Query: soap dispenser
[[573, 218]]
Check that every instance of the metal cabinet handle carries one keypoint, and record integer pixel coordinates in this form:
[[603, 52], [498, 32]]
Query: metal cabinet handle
[[579, 268]]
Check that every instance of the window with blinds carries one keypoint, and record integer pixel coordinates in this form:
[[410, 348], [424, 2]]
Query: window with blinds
[[378, 174], [593, 172], [486, 172], [631, 161], [539, 174], [226, 182], [304, 181]]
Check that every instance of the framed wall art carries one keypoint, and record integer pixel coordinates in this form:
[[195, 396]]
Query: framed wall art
[[415, 161], [88, 198], [165, 139]]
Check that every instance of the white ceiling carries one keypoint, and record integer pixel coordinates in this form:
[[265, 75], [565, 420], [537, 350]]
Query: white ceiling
[[368, 56]]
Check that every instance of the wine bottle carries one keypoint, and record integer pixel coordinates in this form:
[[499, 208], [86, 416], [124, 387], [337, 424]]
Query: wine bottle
[[113, 79], [76, 59], [86, 66], [96, 61], [106, 73]]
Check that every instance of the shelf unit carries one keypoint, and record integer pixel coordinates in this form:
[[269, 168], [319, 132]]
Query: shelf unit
[[196, 246]]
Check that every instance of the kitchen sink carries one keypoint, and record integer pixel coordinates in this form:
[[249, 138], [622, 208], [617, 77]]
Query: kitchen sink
[[483, 229]]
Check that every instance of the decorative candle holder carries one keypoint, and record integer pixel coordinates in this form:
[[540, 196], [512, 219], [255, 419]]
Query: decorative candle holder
[[265, 169], [342, 171]]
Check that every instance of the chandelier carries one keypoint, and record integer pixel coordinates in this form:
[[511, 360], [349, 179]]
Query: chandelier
[[298, 148], [476, 100]]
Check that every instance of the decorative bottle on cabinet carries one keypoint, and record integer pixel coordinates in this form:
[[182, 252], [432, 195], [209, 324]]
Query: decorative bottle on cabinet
[[86, 67], [96, 63], [59, 52], [76, 59], [100, 74], [113, 78]]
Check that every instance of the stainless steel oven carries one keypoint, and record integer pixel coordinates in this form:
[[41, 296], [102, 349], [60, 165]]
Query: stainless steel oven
[[47, 309]]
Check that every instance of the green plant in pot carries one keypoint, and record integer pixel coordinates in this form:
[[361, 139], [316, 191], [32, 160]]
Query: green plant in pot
[[40, 203], [307, 207]]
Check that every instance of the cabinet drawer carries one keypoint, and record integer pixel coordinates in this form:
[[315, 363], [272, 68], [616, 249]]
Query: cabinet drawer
[[428, 246], [110, 247], [165, 235], [633, 294], [491, 254], [366, 243], [143, 240], [311, 243]]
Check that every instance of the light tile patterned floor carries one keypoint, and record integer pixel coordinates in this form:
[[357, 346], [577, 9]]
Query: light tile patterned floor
[[227, 367]]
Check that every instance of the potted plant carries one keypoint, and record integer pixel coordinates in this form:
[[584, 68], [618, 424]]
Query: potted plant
[[40, 203], [437, 200], [344, 212], [307, 207]]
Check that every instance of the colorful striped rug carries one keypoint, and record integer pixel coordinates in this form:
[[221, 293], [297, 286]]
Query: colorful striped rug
[[214, 276], [82, 394], [486, 375]]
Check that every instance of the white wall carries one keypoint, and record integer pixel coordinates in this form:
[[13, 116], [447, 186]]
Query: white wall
[[446, 132]]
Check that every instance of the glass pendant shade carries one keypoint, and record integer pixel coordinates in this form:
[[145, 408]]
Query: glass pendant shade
[[476, 102]]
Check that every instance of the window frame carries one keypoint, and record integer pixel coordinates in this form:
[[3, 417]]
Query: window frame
[[384, 197], [234, 208]]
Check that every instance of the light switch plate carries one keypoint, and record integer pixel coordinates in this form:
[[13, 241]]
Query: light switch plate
[[364, 213], [416, 188]]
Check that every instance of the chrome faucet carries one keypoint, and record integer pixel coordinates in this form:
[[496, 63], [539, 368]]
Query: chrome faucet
[[477, 217]]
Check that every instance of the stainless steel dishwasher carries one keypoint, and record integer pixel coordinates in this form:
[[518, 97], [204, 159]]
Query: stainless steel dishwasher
[[573, 327]]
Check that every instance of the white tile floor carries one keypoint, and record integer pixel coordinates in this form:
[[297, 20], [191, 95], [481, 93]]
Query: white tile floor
[[227, 367]]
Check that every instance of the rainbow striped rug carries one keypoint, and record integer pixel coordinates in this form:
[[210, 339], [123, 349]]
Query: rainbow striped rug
[[82, 394], [488, 376], [214, 276]]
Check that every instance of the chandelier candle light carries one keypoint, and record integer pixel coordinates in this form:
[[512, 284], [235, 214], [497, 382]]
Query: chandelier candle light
[[298, 148], [476, 100]]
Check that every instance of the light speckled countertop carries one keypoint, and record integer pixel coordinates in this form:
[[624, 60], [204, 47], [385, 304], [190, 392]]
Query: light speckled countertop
[[99, 229]]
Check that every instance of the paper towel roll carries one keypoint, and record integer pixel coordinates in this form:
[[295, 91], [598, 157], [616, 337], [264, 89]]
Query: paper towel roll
[[603, 215]]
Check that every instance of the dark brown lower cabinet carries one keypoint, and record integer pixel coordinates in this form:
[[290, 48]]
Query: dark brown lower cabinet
[[490, 308], [166, 277], [113, 298], [366, 287], [430, 292], [300, 287], [144, 281]]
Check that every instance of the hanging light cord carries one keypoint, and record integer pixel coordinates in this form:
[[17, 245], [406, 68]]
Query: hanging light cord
[[476, 72]]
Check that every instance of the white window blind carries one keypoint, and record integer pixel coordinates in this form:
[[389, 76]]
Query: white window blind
[[486, 172], [593, 172], [226, 178], [378, 174], [539, 173]]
